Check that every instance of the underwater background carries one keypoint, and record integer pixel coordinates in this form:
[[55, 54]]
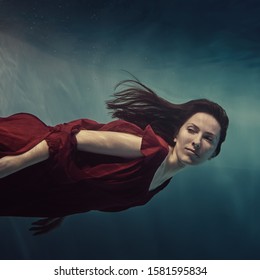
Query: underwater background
[[60, 60]]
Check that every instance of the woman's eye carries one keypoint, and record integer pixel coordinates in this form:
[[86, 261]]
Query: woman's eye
[[191, 130], [209, 139]]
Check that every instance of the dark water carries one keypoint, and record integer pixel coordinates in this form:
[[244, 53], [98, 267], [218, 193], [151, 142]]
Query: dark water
[[60, 61]]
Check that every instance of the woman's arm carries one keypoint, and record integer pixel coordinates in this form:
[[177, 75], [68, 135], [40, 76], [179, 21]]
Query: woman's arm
[[12, 164], [109, 143], [101, 142]]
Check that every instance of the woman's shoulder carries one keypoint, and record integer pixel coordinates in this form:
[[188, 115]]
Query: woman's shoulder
[[152, 143]]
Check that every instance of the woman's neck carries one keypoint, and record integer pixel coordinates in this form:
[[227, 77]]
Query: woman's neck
[[173, 165], [168, 168]]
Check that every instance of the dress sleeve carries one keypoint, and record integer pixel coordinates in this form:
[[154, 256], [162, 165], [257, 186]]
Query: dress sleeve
[[153, 143], [62, 148]]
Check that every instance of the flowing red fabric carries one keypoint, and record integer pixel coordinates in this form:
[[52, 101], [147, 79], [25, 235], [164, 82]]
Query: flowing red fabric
[[71, 181]]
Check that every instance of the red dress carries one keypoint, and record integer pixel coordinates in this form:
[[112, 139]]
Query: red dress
[[71, 181]]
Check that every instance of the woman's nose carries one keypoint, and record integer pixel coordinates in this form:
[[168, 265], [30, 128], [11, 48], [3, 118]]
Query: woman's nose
[[196, 143]]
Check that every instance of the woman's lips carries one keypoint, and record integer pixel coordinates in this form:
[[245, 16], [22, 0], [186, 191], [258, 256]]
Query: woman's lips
[[193, 151]]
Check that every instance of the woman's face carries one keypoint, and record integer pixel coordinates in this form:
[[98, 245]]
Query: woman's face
[[197, 139]]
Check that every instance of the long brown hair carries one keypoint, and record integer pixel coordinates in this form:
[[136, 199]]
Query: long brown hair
[[138, 104]]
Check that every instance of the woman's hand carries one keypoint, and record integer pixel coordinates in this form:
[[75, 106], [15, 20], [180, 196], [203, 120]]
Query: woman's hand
[[43, 226]]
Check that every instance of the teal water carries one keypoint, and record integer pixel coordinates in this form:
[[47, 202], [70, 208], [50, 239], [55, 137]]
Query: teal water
[[61, 62]]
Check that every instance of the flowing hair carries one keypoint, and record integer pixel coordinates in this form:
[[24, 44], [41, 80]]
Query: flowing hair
[[138, 104]]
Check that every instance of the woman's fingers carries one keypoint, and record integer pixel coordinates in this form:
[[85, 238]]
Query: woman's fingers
[[45, 221], [43, 226]]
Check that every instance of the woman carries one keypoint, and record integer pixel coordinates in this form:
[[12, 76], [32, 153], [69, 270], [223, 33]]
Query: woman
[[84, 165]]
